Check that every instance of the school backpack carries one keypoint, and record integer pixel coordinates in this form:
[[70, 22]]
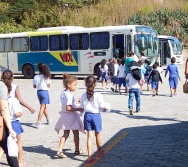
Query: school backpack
[[135, 70]]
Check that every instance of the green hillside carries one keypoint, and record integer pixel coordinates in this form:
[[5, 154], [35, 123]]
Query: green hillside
[[166, 16]]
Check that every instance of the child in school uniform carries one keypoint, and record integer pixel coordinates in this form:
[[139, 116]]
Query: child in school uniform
[[155, 78], [92, 102], [42, 83], [121, 74], [173, 76], [15, 114], [147, 73], [115, 78], [70, 116], [104, 74]]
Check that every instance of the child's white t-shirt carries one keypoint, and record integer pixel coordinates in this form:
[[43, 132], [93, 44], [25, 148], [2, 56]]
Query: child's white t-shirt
[[93, 106], [121, 70], [14, 107], [133, 83], [104, 69], [41, 82], [67, 98], [13, 91], [115, 69]]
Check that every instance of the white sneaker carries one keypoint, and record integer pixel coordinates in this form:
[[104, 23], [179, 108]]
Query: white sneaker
[[107, 87], [39, 125], [49, 122]]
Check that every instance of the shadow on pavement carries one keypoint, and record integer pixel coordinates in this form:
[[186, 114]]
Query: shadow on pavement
[[148, 146]]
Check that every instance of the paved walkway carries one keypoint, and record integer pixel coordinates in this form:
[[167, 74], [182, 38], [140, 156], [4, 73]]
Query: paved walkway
[[156, 136]]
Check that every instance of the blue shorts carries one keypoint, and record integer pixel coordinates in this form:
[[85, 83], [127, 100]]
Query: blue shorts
[[173, 82], [154, 85], [43, 96], [93, 121], [104, 76], [122, 81], [17, 127], [115, 80]]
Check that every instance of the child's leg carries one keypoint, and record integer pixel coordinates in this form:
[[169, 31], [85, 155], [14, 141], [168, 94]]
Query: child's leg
[[46, 114], [174, 91], [171, 91], [76, 139], [154, 92], [42, 109], [63, 139], [89, 142], [98, 141], [20, 150]]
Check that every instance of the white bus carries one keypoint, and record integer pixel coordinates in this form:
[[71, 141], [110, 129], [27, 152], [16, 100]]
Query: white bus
[[73, 49], [169, 47]]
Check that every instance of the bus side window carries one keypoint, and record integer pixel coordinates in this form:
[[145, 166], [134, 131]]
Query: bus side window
[[58, 42], [100, 40], [20, 44], [79, 41], [39, 43], [5, 45]]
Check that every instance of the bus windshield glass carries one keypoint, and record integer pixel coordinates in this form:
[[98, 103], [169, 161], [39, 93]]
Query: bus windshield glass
[[146, 43], [176, 47]]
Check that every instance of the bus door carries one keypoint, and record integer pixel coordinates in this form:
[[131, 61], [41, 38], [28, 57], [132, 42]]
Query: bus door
[[118, 45], [3, 61], [164, 50], [128, 45]]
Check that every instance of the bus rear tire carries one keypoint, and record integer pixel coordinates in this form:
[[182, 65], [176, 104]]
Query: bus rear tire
[[28, 71]]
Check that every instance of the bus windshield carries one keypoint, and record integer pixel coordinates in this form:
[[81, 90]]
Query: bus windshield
[[176, 47], [146, 43]]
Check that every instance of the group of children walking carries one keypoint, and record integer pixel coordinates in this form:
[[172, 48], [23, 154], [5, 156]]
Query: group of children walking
[[118, 72], [90, 103]]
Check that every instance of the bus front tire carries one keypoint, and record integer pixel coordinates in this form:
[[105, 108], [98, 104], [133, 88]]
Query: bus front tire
[[28, 71]]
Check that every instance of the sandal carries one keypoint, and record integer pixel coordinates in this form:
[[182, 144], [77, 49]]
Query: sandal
[[61, 155], [102, 153], [91, 160], [79, 152]]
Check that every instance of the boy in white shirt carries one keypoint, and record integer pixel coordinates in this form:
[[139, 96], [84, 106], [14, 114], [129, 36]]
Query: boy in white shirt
[[134, 91]]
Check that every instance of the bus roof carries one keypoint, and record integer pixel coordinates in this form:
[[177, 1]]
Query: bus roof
[[167, 37], [73, 29]]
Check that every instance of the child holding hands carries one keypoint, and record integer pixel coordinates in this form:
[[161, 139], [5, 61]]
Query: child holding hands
[[70, 117], [92, 102]]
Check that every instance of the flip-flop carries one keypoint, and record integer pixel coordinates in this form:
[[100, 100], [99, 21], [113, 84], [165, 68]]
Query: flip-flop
[[91, 160]]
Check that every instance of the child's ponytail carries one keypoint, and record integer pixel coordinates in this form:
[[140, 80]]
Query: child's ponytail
[[7, 78], [44, 69], [90, 83]]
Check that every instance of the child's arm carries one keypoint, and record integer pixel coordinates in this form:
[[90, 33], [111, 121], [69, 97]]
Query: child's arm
[[160, 78], [178, 73], [17, 111], [18, 114], [22, 102], [150, 76], [166, 71], [48, 85], [72, 109]]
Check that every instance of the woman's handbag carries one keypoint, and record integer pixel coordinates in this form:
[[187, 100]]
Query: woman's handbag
[[185, 87], [1, 127]]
